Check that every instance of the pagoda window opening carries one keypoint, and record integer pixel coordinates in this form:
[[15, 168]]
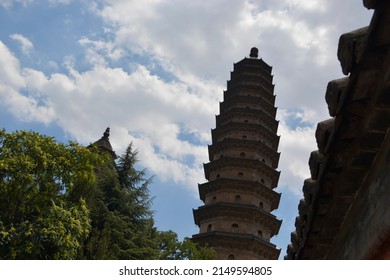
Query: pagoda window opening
[[218, 176], [260, 234], [263, 160], [244, 137], [237, 198], [209, 228], [246, 121], [240, 174], [310, 198], [242, 154], [230, 257], [234, 227], [221, 156], [262, 181], [214, 198], [261, 205]]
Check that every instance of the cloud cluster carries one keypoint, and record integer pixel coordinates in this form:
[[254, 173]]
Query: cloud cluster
[[139, 106], [296, 143], [25, 43], [158, 70], [8, 3]]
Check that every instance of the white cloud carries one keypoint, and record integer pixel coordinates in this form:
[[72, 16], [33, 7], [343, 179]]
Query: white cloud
[[202, 39], [8, 3], [10, 69], [195, 43], [98, 51], [137, 104], [16, 94], [53, 65], [142, 108], [309, 5], [296, 144], [25, 43], [59, 2]]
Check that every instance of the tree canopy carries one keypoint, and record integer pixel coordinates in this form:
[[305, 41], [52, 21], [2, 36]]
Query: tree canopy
[[66, 201], [37, 221]]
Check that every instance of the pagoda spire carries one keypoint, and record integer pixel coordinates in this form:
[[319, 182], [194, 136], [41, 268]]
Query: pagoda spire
[[104, 143], [254, 53]]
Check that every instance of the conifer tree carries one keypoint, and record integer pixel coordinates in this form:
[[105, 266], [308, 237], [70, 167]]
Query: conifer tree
[[122, 222], [122, 219]]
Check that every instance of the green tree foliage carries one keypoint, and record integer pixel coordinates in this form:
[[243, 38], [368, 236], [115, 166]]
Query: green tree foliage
[[70, 202], [192, 251], [170, 248], [37, 218], [122, 222]]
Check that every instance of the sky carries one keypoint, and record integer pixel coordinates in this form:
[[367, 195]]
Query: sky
[[154, 71]]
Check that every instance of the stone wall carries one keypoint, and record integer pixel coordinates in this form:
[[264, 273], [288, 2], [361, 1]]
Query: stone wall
[[345, 212]]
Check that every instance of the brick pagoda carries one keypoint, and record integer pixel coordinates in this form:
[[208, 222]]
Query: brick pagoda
[[239, 196]]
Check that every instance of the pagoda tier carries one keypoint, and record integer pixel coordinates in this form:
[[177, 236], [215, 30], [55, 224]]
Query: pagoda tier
[[256, 67], [249, 90], [246, 131], [248, 116], [253, 83], [237, 148], [252, 219], [247, 102], [238, 245], [239, 196], [254, 193], [244, 168]]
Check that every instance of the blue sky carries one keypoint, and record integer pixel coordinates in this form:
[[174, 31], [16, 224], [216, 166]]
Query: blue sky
[[154, 71]]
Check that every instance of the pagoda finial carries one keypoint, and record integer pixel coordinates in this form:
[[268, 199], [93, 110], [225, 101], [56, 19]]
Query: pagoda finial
[[106, 133], [254, 52], [104, 143]]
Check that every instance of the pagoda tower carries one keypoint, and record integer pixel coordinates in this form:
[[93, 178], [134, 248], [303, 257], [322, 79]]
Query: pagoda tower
[[239, 196]]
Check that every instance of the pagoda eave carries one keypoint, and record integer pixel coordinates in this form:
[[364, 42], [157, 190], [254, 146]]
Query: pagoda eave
[[245, 128], [252, 115], [252, 145], [242, 163], [245, 186], [238, 241], [244, 212], [255, 102]]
